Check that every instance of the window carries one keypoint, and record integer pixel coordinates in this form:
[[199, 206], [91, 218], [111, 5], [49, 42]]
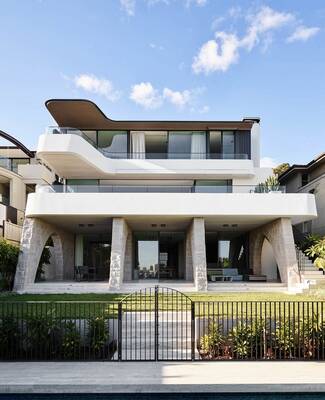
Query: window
[[156, 145], [187, 144], [216, 186], [228, 144], [91, 137], [304, 179], [114, 144], [18, 161], [222, 144]]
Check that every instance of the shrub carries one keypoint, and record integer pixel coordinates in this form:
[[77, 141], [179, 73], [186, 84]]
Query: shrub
[[98, 333], [211, 343], [317, 252], [43, 334], [247, 339], [284, 338], [8, 263], [9, 335], [70, 340]]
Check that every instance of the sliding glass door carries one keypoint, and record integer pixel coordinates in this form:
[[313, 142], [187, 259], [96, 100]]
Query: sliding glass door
[[159, 255]]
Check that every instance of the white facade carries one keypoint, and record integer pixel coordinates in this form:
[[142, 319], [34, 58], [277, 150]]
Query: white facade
[[202, 212]]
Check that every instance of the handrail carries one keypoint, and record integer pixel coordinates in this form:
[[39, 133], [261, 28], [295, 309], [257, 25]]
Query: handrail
[[156, 189]]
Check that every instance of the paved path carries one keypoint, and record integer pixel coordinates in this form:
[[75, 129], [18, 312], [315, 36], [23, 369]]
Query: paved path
[[146, 377]]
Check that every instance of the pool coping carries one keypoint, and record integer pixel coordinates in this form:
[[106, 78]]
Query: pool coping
[[162, 377]]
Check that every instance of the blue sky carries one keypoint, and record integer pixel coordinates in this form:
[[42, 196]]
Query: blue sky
[[170, 59]]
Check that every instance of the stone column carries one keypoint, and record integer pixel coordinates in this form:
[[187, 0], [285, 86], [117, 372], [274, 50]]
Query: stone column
[[198, 254], [119, 239], [279, 234], [35, 234], [128, 264]]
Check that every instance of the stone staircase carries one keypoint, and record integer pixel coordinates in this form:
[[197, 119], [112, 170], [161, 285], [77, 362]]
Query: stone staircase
[[310, 275]]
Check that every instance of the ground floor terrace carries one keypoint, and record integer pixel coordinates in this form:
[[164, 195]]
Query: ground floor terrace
[[100, 254]]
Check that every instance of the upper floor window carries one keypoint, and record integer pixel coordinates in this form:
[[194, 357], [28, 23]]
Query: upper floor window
[[229, 144], [114, 144], [187, 144], [304, 179]]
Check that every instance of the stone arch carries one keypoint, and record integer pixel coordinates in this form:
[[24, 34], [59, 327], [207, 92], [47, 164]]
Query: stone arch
[[34, 237], [269, 266], [55, 269], [280, 236]]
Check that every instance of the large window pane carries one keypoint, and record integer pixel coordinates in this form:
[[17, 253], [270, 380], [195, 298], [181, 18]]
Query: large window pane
[[215, 186], [215, 144], [156, 145], [228, 144], [187, 144], [179, 145], [114, 144]]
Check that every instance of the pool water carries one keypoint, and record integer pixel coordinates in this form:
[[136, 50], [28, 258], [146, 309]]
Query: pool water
[[165, 396]]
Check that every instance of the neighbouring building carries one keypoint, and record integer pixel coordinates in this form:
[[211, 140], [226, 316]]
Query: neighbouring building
[[156, 201], [308, 178], [20, 171]]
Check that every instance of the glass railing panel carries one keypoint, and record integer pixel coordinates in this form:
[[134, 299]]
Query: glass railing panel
[[237, 189]]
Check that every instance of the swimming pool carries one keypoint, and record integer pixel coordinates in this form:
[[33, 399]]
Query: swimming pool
[[166, 396]]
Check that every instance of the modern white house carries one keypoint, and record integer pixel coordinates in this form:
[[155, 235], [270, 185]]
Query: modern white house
[[140, 202]]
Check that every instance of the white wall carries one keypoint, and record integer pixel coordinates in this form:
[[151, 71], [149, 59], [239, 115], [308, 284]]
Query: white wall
[[255, 144], [299, 207], [72, 157]]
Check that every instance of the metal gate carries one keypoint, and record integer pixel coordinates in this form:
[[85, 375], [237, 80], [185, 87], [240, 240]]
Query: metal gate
[[156, 324]]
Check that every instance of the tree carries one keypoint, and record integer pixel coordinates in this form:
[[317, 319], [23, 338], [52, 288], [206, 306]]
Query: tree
[[280, 169], [8, 262]]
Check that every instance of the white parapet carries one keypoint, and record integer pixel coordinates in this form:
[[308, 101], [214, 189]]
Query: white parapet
[[243, 206]]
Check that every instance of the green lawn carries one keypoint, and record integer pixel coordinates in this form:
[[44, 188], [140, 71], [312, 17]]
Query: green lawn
[[312, 295]]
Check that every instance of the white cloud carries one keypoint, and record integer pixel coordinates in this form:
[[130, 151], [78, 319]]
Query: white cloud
[[128, 6], [91, 83], [145, 95], [268, 162], [199, 3], [265, 20], [179, 99], [217, 22], [156, 46], [235, 12], [302, 34], [220, 53], [205, 109], [217, 55]]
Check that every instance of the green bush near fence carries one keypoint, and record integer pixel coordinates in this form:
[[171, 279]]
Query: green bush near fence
[[303, 339]]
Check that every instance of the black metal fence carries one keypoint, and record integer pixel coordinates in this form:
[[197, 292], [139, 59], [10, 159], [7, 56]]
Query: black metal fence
[[162, 324]]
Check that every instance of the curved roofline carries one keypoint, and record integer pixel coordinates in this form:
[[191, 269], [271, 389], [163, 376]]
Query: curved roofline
[[17, 143], [60, 114]]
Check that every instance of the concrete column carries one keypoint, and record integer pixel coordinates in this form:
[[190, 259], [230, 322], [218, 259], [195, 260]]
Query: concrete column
[[198, 254], [279, 234], [35, 234], [17, 193], [119, 239]]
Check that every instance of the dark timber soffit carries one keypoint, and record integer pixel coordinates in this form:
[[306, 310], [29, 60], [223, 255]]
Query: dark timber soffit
[[85, 114]]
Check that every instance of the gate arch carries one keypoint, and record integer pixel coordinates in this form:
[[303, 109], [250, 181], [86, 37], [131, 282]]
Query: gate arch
[[156, 324]]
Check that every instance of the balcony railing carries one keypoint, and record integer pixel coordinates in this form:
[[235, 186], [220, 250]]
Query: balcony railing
[[12, 163], [157, 189], [146, 155]]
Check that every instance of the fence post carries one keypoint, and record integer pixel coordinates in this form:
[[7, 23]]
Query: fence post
[[156, 322], [119, 332], [192, 330]]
